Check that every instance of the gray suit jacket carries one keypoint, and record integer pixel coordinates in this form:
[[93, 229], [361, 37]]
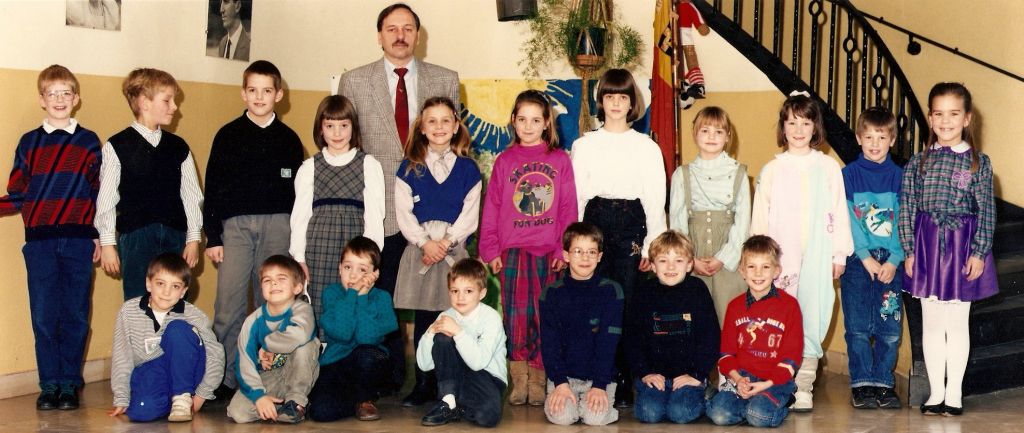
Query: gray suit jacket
[[367, 88], [240, 51]]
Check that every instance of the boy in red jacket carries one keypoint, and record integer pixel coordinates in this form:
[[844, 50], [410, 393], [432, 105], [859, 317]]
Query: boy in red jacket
[[762, 344]]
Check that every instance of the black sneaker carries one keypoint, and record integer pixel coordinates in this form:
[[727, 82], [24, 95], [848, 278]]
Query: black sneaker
[[887, 398], [47, 397], [290, 412], [864, 398], [68, 397], [441, 414]]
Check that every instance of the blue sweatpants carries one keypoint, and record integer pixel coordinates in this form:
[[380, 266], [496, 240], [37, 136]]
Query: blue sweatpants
[[179, 370]]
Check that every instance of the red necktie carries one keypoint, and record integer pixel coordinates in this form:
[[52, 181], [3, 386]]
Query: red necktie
[[402, 106]]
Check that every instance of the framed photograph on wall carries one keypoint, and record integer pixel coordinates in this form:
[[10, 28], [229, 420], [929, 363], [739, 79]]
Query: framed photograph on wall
[[228, 29], [94, 14]]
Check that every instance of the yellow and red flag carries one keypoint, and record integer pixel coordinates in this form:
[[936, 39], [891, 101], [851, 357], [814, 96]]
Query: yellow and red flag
[[663, 111]]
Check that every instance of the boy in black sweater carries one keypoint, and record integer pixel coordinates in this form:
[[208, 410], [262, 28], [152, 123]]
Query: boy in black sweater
[[580, 326], [249, 195], [672, 335]]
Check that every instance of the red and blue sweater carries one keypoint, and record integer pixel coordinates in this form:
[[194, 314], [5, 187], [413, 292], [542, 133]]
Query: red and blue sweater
[[764, 337], [54, 183]]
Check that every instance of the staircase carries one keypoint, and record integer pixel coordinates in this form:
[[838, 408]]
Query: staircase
[[829, 49]]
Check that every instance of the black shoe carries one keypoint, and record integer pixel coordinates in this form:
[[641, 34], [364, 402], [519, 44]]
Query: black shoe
[[623, 394], [864, 398], [290, 412], [952, 411], [425, 390], [441, 414], [47, 398], [68, 398], [887, 398], [934, 409]]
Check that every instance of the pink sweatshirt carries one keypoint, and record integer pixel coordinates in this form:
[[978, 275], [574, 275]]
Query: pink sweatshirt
[[530, 200]]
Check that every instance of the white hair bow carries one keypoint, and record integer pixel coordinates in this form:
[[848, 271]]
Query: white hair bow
[[799, 92]]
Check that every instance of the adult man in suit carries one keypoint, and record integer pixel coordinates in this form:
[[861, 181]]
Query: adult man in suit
[[235, 44], [399, 80]]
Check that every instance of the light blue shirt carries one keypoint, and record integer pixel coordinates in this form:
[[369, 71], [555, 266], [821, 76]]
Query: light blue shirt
[[481, 342]]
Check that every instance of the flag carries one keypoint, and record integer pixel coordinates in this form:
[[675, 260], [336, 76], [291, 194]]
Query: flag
[[663, 111]]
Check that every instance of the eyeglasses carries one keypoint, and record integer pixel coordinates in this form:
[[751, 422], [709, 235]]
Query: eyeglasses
[[580, 253], [57, 95]]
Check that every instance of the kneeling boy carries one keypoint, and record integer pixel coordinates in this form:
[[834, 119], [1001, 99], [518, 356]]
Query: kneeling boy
[[580, 325], [166, 360], [355, 368], [762, 344], [466, 348], [672, 335], [277, 349]]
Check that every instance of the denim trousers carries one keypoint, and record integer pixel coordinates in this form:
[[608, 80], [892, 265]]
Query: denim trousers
[[680, 406], [872, 313], [138, 247], [766, 409], [59, 281]]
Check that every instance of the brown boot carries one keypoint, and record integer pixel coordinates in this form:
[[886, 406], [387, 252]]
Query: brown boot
[[518, 371], [537, 386]]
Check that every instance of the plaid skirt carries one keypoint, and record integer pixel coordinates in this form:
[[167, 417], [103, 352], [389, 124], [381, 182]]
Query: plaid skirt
[[330, 228], [523, 277]]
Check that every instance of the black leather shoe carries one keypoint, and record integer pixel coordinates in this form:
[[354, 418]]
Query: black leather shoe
[[441, 414], [68, 398], [425, 390], [952, 411], [47, 398], [933, 409]]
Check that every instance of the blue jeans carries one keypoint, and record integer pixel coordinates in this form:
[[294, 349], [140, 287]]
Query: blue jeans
[[179, 370], [59, 280], [138, 247], [871, 311], [680, 406], [766, 409]]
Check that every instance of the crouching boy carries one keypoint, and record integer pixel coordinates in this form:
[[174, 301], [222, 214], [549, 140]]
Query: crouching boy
[[762, 344], [166, 360], [466, 348], [277, 349]]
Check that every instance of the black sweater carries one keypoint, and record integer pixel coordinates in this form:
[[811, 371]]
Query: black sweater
[[251, 172], [672, 330]]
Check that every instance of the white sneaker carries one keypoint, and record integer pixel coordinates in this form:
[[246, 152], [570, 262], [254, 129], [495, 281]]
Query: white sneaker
[[804, 402], [181, 408]]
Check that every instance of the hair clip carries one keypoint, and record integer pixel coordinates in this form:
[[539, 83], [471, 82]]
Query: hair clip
[[799, 93]]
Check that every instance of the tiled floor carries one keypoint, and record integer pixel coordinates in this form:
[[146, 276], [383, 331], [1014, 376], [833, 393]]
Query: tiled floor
[[998, 412]]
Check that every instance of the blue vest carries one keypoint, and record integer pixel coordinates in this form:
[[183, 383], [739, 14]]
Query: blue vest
[[434, 201]]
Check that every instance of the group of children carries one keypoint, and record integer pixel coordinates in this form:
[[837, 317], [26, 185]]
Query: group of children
[[744, 285]]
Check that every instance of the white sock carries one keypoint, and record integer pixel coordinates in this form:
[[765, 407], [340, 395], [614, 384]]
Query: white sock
[[450, 399], [958, 349], [933, 344]]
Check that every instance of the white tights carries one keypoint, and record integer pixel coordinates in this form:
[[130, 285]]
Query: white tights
[[946, 342]]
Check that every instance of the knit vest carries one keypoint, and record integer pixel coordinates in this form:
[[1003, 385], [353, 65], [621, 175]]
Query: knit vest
[[434, 201], [150, 185]]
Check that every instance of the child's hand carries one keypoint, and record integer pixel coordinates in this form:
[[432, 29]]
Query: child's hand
[[433, 252], [446, 325], [197, 403], [191, 253], [908, 266], [837, 271], [215, 254], [266, 359], [655, 381], [365, 283], [597, 400], [109, 260], [873, 267], [305, 269], [495, 265], [265, 407], [96, 251], [973, 268], [684, 380], [713, 265], [700, 267], [559, 397], [755, 388], [645, 266], [886, 273], [117, 410], [557, 264]]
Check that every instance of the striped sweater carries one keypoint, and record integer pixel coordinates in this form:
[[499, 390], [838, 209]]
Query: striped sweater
[[54, 182], [137, 340]]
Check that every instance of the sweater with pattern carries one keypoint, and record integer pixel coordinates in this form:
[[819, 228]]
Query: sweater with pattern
[[873, 194], [580, 325], [280, 334], [764, 337], [54, 182]]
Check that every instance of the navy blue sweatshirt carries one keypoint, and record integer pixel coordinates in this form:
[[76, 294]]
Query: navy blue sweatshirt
[[672, 330], [580, 326]]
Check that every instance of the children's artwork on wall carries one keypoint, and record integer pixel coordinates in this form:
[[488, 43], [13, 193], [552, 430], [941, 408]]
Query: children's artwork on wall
[[228, 29], [94, 14]]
